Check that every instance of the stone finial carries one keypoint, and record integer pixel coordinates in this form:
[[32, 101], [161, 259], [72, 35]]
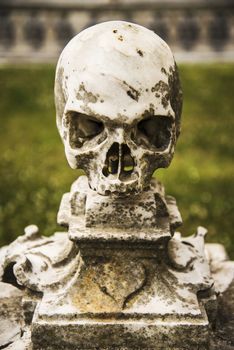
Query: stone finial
[[118, 105]]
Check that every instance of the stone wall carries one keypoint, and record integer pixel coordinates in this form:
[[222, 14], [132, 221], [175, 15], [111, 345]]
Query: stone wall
[[36, 31]]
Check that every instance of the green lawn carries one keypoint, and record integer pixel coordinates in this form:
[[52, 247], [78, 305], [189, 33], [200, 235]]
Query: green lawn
[[34, 173]]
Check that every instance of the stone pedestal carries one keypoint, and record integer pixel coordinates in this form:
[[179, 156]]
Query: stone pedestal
[[124, 288], [131, 288], [126, 297]]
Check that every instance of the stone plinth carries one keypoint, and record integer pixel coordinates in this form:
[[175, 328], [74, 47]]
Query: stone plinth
[[132, 287]]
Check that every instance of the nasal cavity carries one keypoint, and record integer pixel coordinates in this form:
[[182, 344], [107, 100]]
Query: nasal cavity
[[112, 160], [119, 161], [127, 162]]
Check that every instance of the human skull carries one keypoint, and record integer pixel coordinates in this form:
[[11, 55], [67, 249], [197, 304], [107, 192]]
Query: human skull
[[118, 105]]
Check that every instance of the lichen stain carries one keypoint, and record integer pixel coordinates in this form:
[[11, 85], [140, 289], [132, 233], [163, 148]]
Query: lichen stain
[[85, 96], [162, 88], [163, 70], [140, 53], [85, 160], [165, 100], [149, 112], [175, 95], [107, 286], [131, 92], [87, 296], [160, 283], [66, 121]]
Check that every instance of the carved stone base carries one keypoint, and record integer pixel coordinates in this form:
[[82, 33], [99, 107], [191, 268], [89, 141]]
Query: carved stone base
[[220, 337], [122, 288], [119, 333], [129, 298]]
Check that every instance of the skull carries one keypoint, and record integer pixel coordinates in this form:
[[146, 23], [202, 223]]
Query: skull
[[118, 105]]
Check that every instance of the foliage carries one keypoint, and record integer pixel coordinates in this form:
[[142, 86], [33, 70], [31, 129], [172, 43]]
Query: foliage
[[34, 173]]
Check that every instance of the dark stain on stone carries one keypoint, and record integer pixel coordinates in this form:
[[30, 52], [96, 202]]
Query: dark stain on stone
[[115, 31], [163, 70], [140, 53], [132, 95], [165, 100], [131, 92], [85, 96], [83, 162], [175, 95], [148, 112], [120, 38], [162, 88], [66, 121]]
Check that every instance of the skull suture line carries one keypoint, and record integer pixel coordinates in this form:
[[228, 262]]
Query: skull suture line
[[118, 104]]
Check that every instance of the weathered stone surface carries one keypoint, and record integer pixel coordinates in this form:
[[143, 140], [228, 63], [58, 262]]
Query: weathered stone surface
[[11, 316], [116, 216], [128, 293], [222, 335], [22, 343], [119, 119], [122, 335], [222, 268], [40, 263]]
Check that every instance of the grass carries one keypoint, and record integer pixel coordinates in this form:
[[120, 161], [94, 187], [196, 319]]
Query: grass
[[34, 173]]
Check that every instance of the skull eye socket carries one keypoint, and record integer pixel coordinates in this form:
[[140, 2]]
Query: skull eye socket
[[155, 131], [82, 128]]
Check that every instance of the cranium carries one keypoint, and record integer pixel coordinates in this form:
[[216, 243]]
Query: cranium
[[118, 104]]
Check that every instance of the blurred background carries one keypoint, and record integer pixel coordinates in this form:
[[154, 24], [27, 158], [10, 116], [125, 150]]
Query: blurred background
[[33, 170]]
